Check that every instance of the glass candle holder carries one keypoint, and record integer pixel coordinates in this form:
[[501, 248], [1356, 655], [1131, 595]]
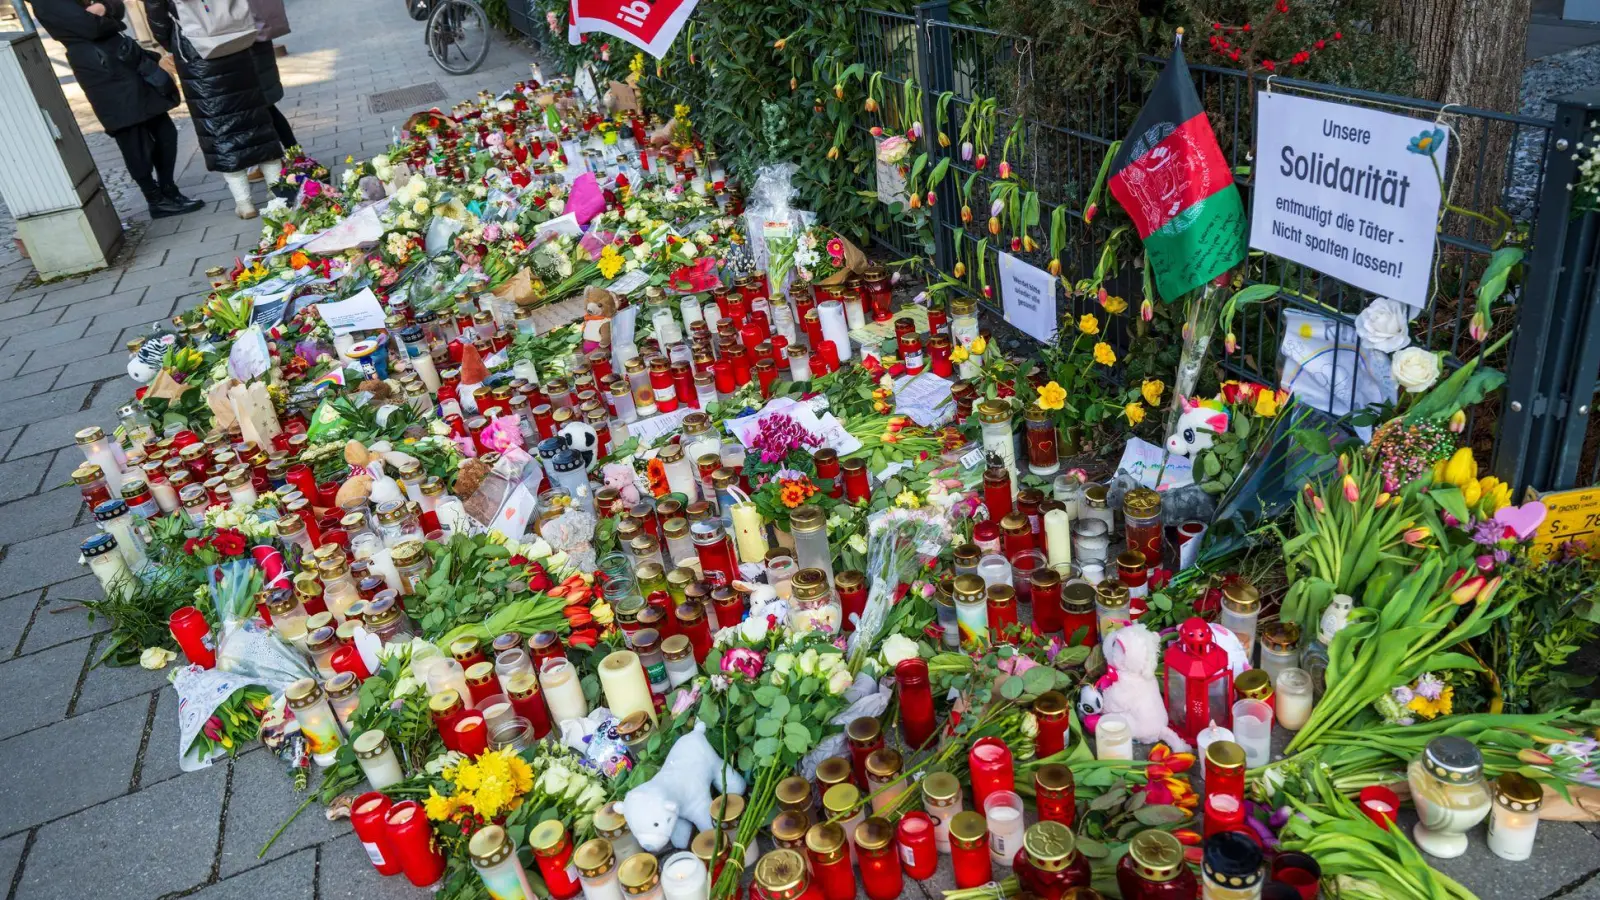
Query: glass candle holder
[[1447, 788], [1002, 812], [494, 856], [1252, 730], [1231, 867], [812, 605], [995, 569], [969, 850], [552, 851], [316, 720], [1113, 609], [1154, 869], [992, 769], [1091, 542], [884, 784], [1241, 609], [1113, 737], [1142, 523], [941, 797], [1514, 821], [808, 525], [1280, 647], [597, 870], [994, 415], [377, 759], [972, 611], [1293, 699], [559, 680], [879, 860]]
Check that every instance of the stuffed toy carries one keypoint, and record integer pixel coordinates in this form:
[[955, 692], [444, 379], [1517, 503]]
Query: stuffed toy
[[662, 809], [599, 305], [1199, 420], [620, 476], [145, 363], [367, 475], [1129, 687]]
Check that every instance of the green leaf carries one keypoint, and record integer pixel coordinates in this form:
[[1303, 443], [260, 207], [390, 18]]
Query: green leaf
[[766, 748], [1039, 679], [1012, 688], [765, 694], [767, 726], [1158, 815], [780, 706], [1313, 441], [1092, 848]]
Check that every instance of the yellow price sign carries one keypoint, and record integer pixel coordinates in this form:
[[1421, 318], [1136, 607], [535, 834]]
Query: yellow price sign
[[1573, 516]]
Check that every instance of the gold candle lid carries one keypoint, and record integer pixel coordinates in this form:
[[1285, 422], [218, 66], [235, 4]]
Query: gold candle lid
[[547, 837], [793, 793], [1050, 845], [1156, 855], [1254, 684], [1054, 777], [489, 845], [884, 763], [594, 858], [874, 834], [969, 827], [726, 809], [841, 800], [827, 841], [781, 874], [1142, 502], [1280, 636], [790, 826], [639, 873], [1225, 755], [833, 770], [1518, 792], [864, 730], [941, 788]]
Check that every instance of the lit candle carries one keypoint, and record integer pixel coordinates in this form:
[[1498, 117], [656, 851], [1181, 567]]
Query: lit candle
[[444, 673], [562, 692], [626, 688], [751, 542], [1058, 537], [382, 564], [1113, 738], [316, 720], [1003, 811], [683, 877], [377, 760], [495, 857], [1292, 689]]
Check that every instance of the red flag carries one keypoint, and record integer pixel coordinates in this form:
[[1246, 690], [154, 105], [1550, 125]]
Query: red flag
[[651, 25]]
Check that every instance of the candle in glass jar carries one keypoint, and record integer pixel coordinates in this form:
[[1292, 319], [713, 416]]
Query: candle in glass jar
[[1292, 691], [969, 850], [749, 538], [884, 784], [367, 815], [991, 769], [941, 798], [1003, 813], [377, 760], [1252, 729], [829, 856], [317, 722], [562, 693], [494, 856], [684, 877], [411, 837], [1113, 737], [1514, 821], [552, 850], [623, 681], [881, 875], [596, 862]]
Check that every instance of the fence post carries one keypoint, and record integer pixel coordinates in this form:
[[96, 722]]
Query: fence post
[[933, 69], [1554, 358]]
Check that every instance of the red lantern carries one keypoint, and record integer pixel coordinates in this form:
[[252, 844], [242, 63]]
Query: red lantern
[[1199, 684]]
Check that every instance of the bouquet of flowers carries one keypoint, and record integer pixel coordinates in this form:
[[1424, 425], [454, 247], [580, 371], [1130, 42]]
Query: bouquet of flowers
[[819, 254]]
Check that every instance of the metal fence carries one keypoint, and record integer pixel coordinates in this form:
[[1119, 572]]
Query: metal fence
[[1537, 428]]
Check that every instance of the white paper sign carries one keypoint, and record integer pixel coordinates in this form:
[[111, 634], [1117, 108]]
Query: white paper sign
[[1030, 298], [925, 398], [653, 429], [630, 282], [891, 184], [1347, 191], [362, 227], [567, 224], [623, 326], [1142, 461], [361, 312]]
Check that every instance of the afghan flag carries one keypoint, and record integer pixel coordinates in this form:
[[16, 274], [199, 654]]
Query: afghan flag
[[1171, 177]]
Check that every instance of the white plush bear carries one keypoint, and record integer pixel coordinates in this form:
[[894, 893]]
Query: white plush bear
[[1130, 689], [662, 809]]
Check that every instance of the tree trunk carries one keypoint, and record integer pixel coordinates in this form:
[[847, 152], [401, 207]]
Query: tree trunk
[[1468, 53]]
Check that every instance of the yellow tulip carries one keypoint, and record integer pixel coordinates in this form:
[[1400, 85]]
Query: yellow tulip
[[1471, 492], [1438, 472], [1461, 468]]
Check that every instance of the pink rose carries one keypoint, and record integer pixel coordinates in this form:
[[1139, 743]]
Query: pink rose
[[740, 661]]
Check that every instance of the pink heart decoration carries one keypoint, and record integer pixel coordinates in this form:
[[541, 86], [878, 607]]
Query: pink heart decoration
[[1523, 520]]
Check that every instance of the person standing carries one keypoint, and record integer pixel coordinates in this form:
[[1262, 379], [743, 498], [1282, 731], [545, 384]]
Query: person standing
[[231, 115], [128, 91], [272, 22]]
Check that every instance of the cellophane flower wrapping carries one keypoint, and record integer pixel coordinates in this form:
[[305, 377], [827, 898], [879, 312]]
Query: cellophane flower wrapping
[[900, 543], [249, 652]]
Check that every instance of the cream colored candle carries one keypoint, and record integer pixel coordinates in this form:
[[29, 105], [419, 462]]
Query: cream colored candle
[[1292, 688], [382, 563], [625, 686], [562, 693], [445, 674], [1058, 537], [747, 533], [377, 760]]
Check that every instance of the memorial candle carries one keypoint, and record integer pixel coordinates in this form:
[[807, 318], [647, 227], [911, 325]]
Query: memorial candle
[[412, 839]]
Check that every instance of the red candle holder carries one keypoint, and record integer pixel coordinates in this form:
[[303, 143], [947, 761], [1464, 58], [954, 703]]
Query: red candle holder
[[367, 817], [992, 769], [411, 837], [1380, 804], [189, 629], [917, 722], [472, 735], [348, 659], [917, 849]]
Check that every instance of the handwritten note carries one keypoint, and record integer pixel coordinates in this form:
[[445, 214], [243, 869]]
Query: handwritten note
[[1142, 461], [361, 312], [1030, 297], [630, 282], [925, 398], [567, 224], [653, 429]]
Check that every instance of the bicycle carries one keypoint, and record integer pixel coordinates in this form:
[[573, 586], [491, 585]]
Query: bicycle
[[457, 35]]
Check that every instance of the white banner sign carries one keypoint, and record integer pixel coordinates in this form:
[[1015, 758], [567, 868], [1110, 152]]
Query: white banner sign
[[1348, 191], [1029, 293]]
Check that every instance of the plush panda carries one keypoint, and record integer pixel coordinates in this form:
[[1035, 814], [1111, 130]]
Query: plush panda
[[145, 363], [582, 438]]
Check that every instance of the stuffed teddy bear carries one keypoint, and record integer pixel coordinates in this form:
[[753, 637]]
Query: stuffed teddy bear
[[663, 808], [1129, 687], [621, 477], [599, 305]]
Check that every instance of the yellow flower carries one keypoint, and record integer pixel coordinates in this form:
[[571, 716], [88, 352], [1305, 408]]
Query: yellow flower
[[1115, 305], [438, 808], [1052, 396], [610, 262], [979, 344], [958, 354], [1472, 492], [1134, 412], [1152, 390], [1461, 468], [602, 613], [1088, 324], [1104, 355], [1497, 497], [1266, 403], [907, 499], [1431, 709], [521, 774]]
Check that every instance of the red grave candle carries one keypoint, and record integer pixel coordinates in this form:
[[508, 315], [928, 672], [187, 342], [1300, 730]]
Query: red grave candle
[[472, 735], [446, 709], [851, 586], [300, 476], [1056, 794], [348, 659], [692, 623], [829, 854], [1045, 586], [722, 371], [827, 462], [716, 555], [969, 849], [879, 859], [856, 487], [997, 492], [918, 854], [917, 723], [1224, 812], [529, 704], [412, 839], [367, 817], [865, 736], [1225, 765], [990, 761], [189, 629], [729, 605], [1050, 710], [552, 850]]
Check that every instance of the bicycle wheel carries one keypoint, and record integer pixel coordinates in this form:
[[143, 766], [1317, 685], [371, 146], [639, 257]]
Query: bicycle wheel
[[458, 36]]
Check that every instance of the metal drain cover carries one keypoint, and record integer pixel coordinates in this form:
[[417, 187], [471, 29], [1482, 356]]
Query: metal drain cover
[[406, 98]]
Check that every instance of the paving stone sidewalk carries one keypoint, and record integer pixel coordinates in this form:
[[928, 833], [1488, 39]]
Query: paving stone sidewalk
[[92, 801]]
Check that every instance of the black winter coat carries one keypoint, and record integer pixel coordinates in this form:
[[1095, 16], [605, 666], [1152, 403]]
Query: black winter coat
[[224, 95], [124, 83], [267, 71]]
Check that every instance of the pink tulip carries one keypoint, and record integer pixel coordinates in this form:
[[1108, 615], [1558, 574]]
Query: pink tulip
[[1351, 492]]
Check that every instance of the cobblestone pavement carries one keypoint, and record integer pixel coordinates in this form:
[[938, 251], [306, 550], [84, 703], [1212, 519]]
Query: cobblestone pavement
[[91, 797]]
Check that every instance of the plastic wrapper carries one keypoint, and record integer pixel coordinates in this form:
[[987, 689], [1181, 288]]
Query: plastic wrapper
[[868, 697], [773, 225], [249, 653], [595, 737]]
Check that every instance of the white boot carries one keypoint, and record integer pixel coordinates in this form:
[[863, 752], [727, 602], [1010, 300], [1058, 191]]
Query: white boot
[[272, 171], [239, 186]]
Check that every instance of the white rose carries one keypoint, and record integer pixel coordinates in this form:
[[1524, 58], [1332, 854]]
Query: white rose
[[808, 662], [783, 663], [1384, 325], [897, 648], [154, 658], [840, 682], [754, 628], [554, 780], [688, 249], [1415, 369]]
